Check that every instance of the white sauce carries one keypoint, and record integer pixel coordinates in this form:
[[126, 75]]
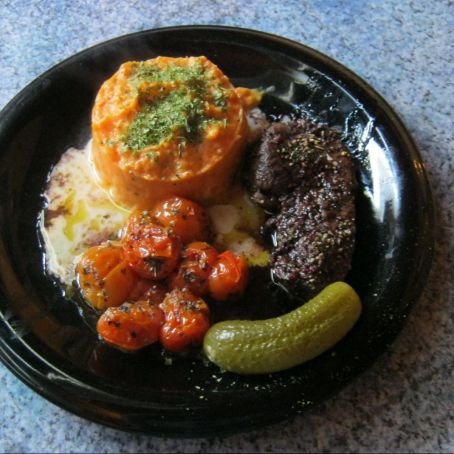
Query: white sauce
[[79, 214]]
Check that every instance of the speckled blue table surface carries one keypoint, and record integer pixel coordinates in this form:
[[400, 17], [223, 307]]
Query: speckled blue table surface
[[404, 49]]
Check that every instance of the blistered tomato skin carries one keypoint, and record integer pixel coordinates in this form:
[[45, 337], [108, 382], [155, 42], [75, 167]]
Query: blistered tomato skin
[[146, 290], [149, 249], [155, 294], [103, 277], [194, 270], [183, 218], [228, 277], [187, 319], [131, 326]]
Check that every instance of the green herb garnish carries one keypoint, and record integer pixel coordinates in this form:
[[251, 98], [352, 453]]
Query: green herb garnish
[[153, 73], [177, 114]]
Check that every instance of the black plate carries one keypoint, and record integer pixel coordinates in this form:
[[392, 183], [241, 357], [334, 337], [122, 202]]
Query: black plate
[[45, 341]]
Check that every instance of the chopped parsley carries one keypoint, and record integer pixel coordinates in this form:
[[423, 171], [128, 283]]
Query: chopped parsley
[[153, 73], [220, 98], [176, 113], [160, 120]]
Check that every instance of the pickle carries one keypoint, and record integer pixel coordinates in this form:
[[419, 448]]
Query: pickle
[[265, 346]]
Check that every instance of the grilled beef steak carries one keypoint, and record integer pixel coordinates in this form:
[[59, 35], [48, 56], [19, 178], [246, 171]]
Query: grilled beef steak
[[305, 176]]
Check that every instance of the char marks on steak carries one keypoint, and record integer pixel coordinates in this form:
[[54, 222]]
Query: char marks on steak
[[304, 175]]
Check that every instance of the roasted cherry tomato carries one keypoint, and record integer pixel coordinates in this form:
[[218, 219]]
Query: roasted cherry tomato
[[155, 294], [193, 272], [103, 277], [228, 277], [147, 290], [149, 249], [187, 319], [184, 218], [132, 325]]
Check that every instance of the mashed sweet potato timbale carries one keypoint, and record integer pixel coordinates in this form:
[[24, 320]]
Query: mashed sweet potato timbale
[[168, 126]]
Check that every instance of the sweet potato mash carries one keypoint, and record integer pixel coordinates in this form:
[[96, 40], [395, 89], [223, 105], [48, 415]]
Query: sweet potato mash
[[168, 126]]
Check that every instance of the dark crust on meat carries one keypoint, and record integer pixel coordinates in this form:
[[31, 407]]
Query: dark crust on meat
[[305, 176]]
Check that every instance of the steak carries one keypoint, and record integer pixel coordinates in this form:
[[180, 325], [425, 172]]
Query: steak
[[304, 176]]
